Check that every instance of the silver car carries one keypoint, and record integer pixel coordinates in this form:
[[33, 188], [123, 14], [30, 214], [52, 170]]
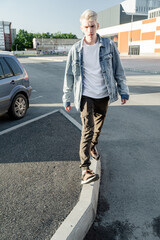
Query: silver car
[[15, 88]]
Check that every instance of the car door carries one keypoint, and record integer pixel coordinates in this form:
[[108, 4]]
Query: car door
[[7, 83]]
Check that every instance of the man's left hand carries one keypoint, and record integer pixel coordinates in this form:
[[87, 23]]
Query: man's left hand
[[123, 101]]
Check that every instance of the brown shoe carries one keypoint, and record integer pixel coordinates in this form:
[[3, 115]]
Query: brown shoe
[[94, 153], [89, 176]]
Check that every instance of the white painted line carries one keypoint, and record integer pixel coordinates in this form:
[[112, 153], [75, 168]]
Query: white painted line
[[48, 105], [78, 125], [52, 59], [27, 122]]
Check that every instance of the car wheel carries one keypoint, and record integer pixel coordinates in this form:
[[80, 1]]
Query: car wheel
[[18, 107]]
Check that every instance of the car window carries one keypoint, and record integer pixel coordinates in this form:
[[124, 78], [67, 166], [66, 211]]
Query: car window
[[14, 66], [7, 71], [1, 72]]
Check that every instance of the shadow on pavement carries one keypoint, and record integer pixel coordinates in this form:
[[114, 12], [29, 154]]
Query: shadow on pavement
[[49, 139]]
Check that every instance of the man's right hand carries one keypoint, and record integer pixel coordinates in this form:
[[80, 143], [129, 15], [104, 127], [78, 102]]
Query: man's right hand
[[68, 108]]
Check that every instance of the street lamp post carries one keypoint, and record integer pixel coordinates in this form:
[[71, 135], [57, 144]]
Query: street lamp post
[[131, 34]]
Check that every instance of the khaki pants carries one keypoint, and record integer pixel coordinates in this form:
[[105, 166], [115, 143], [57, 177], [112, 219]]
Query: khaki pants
[[93, 112]]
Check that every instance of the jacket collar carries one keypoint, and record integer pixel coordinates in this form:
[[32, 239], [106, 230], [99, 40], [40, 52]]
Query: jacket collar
[[100, 39]]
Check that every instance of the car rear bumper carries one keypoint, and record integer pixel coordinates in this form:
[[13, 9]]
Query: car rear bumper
[[29, 90]]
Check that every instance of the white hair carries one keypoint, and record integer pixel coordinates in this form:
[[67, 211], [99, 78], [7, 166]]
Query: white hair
[[88, 15]]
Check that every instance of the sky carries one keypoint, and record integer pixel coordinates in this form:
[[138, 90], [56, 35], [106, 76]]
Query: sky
[[49, 15]]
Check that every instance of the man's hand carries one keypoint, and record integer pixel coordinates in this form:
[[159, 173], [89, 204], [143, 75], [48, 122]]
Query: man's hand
[[123, 101], [68, 108]]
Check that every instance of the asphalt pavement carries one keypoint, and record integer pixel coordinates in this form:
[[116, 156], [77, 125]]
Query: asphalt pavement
[[128, 207], [39, 177]]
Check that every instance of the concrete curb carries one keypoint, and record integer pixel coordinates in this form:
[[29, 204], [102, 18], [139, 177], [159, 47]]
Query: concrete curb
[[80, 219]]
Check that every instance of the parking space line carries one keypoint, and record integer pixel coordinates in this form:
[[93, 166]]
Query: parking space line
[[71, 119], [48, 105], [27, 122]]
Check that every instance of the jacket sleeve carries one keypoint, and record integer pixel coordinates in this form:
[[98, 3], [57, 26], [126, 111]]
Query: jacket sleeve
[[119, 74], [68, 81]]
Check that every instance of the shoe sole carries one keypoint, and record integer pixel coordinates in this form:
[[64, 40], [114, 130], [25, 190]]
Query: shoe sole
[[97, 159], [93, 179]]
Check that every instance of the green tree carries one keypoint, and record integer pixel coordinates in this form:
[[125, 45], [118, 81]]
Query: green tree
[[45, 35], [25, 40], [63, 35]]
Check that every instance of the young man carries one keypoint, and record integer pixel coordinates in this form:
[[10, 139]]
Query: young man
[[95, 73]]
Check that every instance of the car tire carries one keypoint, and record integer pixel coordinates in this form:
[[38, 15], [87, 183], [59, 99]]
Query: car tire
[[18, 107]]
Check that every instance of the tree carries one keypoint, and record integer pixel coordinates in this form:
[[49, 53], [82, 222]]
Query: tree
[[63, 35], [25, 40]]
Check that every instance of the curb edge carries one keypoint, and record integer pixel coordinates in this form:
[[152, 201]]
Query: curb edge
[[78, 222]]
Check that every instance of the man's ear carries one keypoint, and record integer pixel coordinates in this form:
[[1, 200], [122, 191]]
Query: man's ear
[[81, 28], [97, 25]]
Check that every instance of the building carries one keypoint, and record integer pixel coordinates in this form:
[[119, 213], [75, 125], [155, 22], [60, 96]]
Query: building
[[154, 13], [123, 13], [134, 36], [13, 34], [140, 6], [5, 36], [53, 45]]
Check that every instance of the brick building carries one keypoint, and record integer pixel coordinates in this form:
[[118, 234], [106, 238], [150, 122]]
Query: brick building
[[5, 36]]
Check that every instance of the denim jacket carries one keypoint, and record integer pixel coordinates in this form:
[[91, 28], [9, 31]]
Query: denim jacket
[[111, 67]]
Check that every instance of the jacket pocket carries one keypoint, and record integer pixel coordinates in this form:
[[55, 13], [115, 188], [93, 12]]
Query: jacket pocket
[[106, 61], [76, 67]]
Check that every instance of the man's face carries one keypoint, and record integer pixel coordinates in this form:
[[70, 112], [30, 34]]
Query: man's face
[[89, 28]]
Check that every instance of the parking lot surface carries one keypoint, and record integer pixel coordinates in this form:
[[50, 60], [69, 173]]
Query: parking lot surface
[[129, 198], [39, 177], [128, 207]]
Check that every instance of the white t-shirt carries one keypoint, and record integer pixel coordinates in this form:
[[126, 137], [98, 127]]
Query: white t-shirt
[[94, 84]]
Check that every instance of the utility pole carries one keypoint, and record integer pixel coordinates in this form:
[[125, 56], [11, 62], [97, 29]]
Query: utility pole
[[131, 34]]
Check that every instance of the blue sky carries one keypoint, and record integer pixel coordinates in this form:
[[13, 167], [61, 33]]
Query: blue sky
[[49, 15]]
